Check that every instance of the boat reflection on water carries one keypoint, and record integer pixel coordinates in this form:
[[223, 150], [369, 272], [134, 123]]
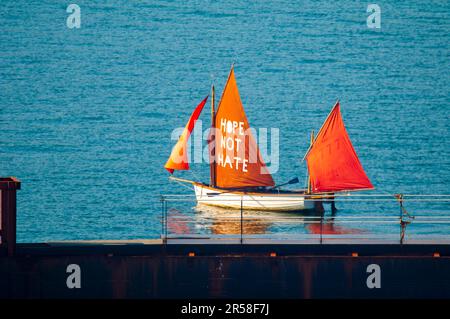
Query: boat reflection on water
[[178, 222], [328, 227], [212, 220], [226, 221]]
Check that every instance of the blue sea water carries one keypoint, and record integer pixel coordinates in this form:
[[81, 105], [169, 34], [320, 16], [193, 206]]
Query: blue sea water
[[86, 114]]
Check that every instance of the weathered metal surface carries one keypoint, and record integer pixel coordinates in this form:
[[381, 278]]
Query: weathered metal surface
[[230, 271], [8, 211]]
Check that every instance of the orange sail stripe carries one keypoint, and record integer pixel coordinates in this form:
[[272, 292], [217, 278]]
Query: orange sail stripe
[[332, 161], [178, 158], [238, 160]]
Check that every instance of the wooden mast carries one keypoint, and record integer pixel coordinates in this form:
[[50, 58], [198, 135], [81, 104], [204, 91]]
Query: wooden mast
[[309, 177], [212, 165]]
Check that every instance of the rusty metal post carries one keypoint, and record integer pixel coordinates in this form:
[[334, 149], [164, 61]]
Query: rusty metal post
[[8, 212], [402, 231]]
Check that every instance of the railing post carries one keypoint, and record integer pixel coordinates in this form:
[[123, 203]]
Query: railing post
[[242, 220], [163, 220], [402, 223], [321, 228], [402, 231], [8, 212]]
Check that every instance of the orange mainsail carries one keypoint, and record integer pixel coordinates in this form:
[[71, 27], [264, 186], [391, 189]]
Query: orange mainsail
[[238, 162], [332, 162], [178, 158]]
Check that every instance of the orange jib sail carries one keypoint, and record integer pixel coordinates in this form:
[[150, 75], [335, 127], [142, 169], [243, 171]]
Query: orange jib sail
[[238, 161], [178, 159], [332, 161]]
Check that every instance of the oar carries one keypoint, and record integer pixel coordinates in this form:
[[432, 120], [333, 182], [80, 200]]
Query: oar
[[292, 181]]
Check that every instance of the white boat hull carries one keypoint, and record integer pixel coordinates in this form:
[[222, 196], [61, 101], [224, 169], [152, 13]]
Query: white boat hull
[[290, 201]]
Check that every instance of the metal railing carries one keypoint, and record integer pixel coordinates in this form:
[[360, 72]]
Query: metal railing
[[360, 218]]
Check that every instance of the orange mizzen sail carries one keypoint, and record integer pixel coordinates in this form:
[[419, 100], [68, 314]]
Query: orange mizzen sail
[[237, 157], [178, 158], [332, 162]]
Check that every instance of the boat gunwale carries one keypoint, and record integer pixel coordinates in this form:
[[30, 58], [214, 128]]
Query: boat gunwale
[[243, 192], [251, 208]]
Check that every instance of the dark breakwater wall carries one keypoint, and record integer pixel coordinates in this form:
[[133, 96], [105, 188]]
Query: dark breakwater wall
[[226, 271]]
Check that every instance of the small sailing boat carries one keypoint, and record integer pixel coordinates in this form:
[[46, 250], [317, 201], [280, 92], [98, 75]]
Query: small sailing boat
[[239, 177]]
